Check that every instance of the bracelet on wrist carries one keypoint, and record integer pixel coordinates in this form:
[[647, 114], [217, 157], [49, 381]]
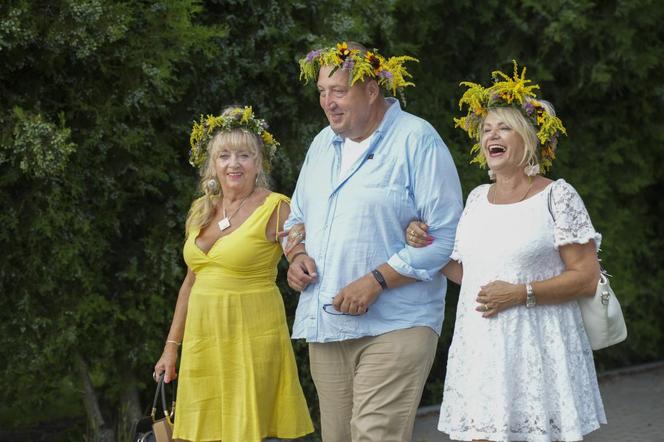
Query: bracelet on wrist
[[530, 296], [170, 341], [295, 255], [380, 278]]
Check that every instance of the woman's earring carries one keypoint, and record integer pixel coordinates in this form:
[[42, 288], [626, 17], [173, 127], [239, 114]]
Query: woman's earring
[[531, 170], [492, 175], [212, 185]]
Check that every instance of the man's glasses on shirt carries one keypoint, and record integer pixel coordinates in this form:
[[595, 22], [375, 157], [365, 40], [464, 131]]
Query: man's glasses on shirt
[[329, 308]]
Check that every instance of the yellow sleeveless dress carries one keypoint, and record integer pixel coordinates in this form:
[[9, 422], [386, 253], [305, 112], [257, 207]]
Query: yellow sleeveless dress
[[238, 380]]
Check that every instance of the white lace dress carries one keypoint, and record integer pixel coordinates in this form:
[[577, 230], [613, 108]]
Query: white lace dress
[[525, 374]]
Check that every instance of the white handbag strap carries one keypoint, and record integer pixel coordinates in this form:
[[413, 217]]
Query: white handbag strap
[[551, 207]]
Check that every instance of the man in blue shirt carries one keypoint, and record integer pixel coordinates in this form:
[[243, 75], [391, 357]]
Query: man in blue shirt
[[371, 307]]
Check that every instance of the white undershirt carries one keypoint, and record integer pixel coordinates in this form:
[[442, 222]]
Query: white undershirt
[[350, 152]]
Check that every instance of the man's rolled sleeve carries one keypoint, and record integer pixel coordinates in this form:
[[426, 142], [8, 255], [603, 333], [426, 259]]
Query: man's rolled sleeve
[[437, 193]]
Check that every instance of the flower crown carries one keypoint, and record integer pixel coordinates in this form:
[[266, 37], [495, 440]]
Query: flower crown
[[389, 73], [509, 91], [204, 130]]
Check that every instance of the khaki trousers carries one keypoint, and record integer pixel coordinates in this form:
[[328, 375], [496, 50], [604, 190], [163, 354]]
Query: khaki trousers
[[369, 388]]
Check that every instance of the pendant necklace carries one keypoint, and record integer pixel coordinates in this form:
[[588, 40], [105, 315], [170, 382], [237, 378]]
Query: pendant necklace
[[225, 222], [495, 190]]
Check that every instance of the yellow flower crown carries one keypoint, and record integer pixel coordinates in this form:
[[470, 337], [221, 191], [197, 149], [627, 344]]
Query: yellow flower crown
[[204, 130], [509, 91], [389, 73]]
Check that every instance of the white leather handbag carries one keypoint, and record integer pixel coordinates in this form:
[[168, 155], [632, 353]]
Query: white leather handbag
[[602, 316]]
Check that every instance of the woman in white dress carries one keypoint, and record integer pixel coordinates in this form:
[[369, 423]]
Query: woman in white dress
[[520, 366]]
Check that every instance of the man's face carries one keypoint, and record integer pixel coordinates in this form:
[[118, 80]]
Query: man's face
[[347, 108]]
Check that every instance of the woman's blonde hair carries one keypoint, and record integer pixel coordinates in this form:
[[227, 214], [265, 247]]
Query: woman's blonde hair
[[515, 119], [202, 209]]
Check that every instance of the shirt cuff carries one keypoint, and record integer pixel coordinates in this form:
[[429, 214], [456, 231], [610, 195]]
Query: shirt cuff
[[290, 222], [405, 269]]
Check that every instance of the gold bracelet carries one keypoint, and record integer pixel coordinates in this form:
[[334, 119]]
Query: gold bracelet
[[173, 342]]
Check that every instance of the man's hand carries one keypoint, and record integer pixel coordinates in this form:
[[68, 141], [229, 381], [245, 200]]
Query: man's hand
[[301, 272], [357, 296]]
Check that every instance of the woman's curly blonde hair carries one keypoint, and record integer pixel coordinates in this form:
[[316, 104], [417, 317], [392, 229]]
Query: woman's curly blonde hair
[[203, 209]]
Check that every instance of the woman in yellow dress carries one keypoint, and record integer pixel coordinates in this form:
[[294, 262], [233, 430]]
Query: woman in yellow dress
[[238, 380]]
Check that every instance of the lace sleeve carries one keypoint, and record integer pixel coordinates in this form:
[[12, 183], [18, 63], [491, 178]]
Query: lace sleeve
[[571, 219], [473, 197], [456, 256]]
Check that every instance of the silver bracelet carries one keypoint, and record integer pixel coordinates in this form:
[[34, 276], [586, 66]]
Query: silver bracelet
[[530, 296]]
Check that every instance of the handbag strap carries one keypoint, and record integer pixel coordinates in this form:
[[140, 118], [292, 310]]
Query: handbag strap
[[160, 391], [550, 206]]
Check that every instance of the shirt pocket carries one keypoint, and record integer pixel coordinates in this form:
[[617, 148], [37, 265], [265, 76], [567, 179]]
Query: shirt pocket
[[386, 185]]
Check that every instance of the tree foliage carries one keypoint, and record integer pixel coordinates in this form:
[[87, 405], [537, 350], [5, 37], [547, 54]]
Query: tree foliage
[[97, 99]]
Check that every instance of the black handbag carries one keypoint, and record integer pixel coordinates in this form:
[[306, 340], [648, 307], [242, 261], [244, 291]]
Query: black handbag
[[149, 428]]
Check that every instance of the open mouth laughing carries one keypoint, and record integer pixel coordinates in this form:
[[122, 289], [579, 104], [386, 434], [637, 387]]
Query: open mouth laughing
[[496, 150]]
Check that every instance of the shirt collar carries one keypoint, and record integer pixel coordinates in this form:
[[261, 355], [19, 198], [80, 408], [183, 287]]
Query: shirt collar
[[393, 110]]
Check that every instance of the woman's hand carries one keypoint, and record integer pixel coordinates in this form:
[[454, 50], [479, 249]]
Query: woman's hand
[[497, 296], [166, 363], [416, 234], [295, 236]]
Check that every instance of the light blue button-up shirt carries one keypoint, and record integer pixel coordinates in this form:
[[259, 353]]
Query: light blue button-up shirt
[[356, 223]]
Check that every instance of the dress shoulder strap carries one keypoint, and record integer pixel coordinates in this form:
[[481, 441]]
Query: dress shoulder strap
[[280, 199], [272, 203]]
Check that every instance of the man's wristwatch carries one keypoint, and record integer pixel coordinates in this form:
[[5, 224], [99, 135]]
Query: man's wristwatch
[[379, 277], [530, 296]]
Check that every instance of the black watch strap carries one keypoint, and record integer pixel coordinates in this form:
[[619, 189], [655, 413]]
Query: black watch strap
[[379, 277]]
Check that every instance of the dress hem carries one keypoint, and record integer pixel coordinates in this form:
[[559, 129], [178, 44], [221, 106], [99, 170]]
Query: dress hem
[[565, 437], [278, 436]]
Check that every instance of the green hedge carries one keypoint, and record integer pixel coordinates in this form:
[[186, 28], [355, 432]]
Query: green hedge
[[96, 101]]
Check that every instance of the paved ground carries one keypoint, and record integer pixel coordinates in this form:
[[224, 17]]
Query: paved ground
[[633, 400]]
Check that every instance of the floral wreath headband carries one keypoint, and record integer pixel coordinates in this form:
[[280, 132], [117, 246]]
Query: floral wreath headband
[[515, 92], [243, 118], [389, 73]]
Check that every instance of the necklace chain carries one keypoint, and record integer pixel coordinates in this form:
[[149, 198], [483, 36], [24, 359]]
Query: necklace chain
[[495, 190], [226, 221]]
